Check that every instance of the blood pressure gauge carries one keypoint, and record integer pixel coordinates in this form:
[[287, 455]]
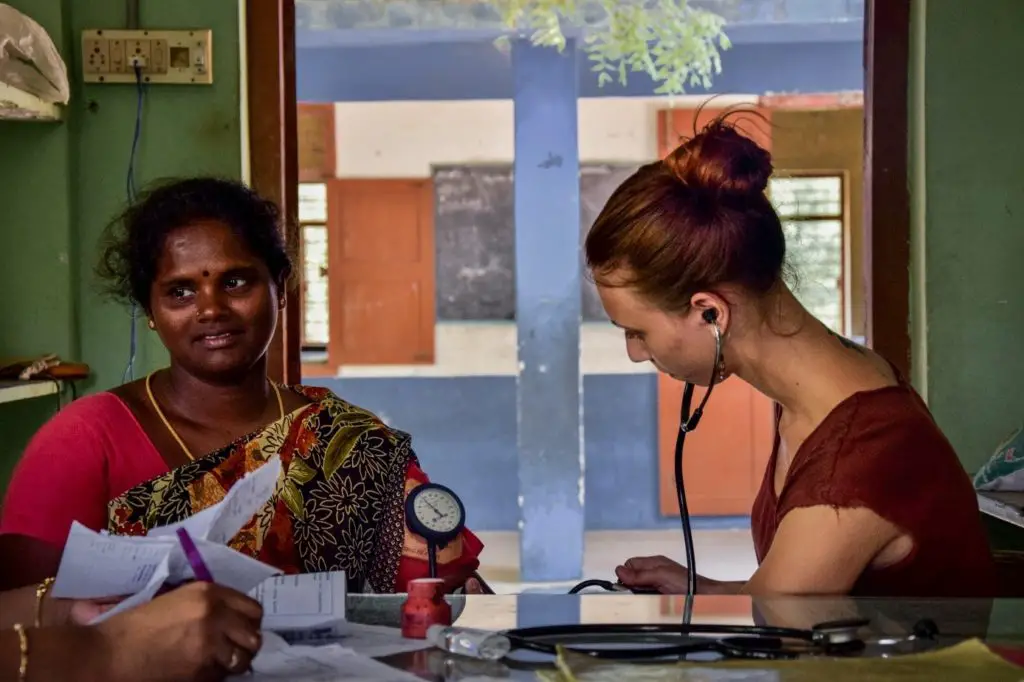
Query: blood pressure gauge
[[436, 514]]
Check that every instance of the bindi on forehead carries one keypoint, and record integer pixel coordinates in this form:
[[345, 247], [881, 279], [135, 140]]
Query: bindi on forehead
[[206, 273]]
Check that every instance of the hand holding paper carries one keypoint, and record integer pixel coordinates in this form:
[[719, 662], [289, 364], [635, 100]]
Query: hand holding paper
[[97, 565]]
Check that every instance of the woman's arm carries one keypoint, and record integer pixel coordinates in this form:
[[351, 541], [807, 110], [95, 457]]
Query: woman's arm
[[17, 606], [64, 654], [816, 551], [23, 605], [821, 550], [60, 478], [37, 560], [201, 631]]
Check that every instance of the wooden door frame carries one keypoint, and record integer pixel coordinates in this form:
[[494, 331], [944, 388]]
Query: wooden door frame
[[324, 111], [886, 193], [273, 156]]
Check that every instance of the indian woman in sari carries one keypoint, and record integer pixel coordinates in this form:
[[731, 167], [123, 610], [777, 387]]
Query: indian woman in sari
[[206, 261]]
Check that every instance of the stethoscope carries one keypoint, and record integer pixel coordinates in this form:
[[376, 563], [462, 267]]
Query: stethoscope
[[756, 642]]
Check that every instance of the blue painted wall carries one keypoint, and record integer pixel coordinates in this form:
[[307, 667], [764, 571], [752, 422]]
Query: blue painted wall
[[464, 432], [351, 66]]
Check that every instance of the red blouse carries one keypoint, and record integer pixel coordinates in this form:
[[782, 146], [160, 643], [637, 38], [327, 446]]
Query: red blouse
[[882, 450]]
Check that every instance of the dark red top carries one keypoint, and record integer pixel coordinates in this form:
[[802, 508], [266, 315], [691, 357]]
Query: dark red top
[[882, 450]]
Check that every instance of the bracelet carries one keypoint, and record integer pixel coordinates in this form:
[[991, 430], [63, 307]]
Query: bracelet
[[41, 591], [23, 648]]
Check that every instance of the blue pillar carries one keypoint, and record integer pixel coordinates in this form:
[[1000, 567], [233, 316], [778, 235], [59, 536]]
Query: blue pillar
[[549, 425]]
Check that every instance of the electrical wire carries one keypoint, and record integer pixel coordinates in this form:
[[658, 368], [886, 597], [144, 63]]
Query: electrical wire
[[131, 190]]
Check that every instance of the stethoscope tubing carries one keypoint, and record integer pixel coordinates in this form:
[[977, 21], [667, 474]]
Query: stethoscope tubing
[[740, 641]]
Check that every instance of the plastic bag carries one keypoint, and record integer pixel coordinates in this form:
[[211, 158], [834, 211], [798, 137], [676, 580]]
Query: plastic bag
[[29, 61], [1005, 470]]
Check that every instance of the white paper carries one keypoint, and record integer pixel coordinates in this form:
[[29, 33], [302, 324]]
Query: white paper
[[96, 565], [322, 664], [243, 501], [141, 597], [298, 602], [227, 566]]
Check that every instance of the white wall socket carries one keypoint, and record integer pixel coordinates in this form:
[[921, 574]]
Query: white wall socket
[[183, 57]]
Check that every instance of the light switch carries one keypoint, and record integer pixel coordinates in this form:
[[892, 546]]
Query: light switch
[[158, 63], [117, 60]]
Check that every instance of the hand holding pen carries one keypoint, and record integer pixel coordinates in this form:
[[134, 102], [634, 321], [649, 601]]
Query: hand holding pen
[[240, 657], [195, 559]]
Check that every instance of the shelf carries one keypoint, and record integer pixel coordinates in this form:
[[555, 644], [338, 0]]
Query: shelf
[[18, 105], [11, 391]]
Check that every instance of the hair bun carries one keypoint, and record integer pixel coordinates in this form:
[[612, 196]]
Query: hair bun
[[720, 160]]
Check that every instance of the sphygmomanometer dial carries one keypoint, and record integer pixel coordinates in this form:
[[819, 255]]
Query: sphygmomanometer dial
[[435, 513]]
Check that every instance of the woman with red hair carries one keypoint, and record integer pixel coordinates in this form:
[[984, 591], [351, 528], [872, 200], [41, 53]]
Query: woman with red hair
[[863, 494]]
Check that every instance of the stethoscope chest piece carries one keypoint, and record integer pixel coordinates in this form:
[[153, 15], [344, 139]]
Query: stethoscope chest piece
[[839, 637]]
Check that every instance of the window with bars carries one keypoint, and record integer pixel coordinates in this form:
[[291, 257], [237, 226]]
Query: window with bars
[[812, 211], [313, 254]]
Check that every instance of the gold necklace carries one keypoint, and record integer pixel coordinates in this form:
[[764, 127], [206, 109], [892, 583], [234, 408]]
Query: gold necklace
[[160, 413]]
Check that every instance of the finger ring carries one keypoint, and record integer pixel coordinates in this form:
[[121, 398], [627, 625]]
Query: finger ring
[[236, 658]]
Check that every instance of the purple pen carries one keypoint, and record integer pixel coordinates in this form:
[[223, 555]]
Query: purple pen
[[195, 559]]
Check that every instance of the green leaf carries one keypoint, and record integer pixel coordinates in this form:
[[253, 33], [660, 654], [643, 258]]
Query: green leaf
[[300, 472], [293, 499], [341, 446]]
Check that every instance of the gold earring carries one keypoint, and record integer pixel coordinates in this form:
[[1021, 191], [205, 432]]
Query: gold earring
[[152, 324]]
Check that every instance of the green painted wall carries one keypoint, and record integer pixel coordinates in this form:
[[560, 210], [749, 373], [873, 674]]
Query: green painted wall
[[61, 183], [967, 179]]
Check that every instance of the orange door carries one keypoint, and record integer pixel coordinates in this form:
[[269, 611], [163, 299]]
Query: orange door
[[381, 256], [726, 456]]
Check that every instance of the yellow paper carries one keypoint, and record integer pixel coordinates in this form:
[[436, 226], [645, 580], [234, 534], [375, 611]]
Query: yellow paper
[[969, 661]]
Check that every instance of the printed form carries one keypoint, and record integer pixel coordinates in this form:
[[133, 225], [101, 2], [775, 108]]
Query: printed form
[[302, 602]]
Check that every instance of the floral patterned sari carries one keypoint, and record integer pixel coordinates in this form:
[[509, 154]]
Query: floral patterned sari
[[339, 504]]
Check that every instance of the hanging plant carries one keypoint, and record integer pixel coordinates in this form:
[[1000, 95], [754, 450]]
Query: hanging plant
[[675, 44]]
